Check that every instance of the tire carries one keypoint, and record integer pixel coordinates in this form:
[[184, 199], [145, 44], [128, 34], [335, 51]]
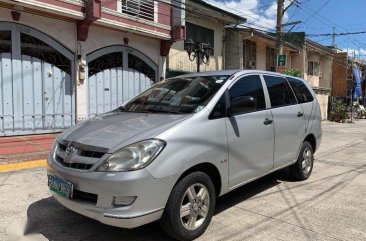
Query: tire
[[303, 167], [189, 194]]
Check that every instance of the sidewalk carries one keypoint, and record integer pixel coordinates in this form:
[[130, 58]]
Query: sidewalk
[[25, 148]]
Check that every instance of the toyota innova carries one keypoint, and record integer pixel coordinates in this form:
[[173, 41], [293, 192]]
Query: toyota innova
[[171, 151]]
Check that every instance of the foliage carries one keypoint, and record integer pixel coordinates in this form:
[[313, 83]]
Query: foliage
[[339, 111], [295, 72]]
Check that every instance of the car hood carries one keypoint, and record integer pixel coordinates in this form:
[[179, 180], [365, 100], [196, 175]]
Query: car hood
[[114, 130]]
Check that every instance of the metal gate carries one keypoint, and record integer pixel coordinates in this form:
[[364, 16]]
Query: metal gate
[[115, 75], [36, 87]]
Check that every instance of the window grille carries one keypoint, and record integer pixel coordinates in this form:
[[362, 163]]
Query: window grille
[[139, 8]]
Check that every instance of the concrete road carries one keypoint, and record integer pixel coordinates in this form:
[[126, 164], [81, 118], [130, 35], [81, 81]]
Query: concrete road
[[331, 205]]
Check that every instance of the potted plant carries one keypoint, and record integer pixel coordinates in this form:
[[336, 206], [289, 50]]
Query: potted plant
[[339, 111]]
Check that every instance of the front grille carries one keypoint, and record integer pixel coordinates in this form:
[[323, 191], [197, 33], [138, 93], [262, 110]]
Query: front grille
[[92, 154], [78, 157], [84, 197], [75, 165]]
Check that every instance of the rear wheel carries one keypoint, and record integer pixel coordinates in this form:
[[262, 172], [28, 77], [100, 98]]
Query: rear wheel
[[190, 207], [302, 169]]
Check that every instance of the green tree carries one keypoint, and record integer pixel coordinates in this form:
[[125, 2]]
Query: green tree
[[295, 72]]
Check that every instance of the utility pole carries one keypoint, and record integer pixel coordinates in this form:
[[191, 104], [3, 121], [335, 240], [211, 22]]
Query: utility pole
[[334, 38], [281, 59], [279, 27]]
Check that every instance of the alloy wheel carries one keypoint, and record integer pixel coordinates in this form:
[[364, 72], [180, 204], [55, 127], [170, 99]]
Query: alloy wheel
[[194, 206], [307, 161]]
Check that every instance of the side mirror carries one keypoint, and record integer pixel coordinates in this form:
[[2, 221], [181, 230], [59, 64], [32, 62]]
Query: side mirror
[[242, 104]]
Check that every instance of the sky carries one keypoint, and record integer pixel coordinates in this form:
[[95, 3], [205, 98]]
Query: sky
[[317, 16]]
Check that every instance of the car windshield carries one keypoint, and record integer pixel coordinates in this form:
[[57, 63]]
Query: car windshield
[[182, 95]]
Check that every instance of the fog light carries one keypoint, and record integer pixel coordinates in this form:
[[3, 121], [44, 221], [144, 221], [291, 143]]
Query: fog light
[[123, 201]]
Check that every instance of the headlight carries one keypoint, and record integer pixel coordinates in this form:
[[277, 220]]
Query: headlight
[[133, 157], [53, 150]]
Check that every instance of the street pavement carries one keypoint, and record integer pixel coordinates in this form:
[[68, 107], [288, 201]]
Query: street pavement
[[331, 205]]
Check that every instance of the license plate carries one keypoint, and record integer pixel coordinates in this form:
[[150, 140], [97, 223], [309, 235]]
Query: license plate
[[61, 186]]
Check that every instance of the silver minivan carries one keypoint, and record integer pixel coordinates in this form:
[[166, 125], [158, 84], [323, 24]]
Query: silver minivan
[[172, 150]]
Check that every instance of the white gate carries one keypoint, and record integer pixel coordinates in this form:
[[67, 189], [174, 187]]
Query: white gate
[[36, 87], [115, 75]]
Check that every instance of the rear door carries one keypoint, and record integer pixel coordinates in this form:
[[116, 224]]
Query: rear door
[[288, 120], [304, 97]]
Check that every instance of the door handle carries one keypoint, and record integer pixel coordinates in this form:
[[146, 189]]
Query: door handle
[[300, 114], [267, 122]]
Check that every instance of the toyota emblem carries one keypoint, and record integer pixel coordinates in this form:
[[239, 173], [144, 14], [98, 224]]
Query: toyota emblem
[[69, 151]]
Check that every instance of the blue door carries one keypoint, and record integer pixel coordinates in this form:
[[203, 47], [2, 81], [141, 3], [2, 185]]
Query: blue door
[[36, 84], [116, 74]]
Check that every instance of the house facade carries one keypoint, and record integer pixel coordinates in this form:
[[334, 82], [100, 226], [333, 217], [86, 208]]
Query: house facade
[[204, 23], [316, 62], [251, 49], [64, 61], [247, 48]]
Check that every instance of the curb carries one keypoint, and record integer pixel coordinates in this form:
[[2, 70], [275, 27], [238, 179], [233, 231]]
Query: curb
[[22, 166]]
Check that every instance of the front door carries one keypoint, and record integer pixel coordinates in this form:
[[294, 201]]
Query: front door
[[250, 133]]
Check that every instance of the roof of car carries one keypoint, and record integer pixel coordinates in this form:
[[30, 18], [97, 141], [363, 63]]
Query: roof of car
[[229, 73]]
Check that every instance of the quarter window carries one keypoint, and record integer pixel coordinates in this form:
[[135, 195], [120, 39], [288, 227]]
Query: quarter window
[[251, 87], [280, 92], [302, 92], [219, 110]]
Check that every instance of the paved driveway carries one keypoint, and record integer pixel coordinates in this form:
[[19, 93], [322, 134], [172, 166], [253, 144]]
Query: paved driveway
[[331, 205]]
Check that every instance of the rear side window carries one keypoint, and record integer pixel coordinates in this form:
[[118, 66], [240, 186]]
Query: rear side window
[[280, 92], [302, 92], [249, 86]]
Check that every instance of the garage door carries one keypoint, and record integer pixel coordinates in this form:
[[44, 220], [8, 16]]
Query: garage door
[[36, 87], [115, 75]]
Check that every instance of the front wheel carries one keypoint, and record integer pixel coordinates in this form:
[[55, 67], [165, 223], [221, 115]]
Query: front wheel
[[303, 167], [190, 207]]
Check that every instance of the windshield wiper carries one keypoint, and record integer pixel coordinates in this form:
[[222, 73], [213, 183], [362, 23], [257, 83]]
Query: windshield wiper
[[152, 110]]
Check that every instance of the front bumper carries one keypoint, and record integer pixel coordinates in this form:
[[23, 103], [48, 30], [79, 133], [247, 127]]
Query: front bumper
[[152, 195]]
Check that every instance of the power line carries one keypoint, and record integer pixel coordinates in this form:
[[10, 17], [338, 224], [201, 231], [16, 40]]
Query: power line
[[335, 34], [307, 9], [316, 12]]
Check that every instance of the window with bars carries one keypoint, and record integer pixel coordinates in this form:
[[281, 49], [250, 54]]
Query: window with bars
[[139, 8], [200, 35], [314, 68], [270, 59], [249, 54]]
